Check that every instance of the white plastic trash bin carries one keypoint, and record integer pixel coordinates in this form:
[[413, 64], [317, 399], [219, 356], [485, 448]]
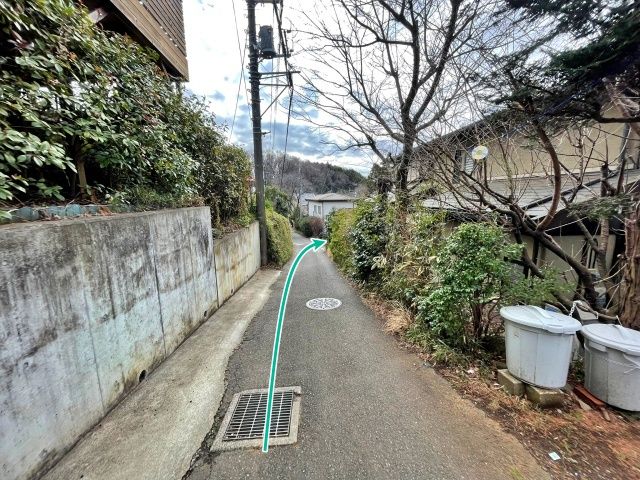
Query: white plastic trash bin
[[538, 344], [612, 364]]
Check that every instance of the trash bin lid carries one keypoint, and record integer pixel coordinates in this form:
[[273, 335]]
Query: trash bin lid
[[537, 317], [614, 336]]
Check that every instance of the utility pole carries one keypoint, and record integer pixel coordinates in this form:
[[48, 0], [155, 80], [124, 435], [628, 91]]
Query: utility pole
[[254, 77], [264, 49]]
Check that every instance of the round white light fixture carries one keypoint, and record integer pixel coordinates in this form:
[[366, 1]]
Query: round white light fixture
[[480, 152]]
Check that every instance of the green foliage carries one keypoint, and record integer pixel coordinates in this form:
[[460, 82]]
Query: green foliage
[[370, 235], [339, 225], [304, 226], [222, 179], [535, 290], [380, 179], [76, 98], [311, 227], [144, 198], [411, 254], [471, 271], [278, 200], [279, 238], [440, 352], [454, 282], [602, 41], [604, 207]]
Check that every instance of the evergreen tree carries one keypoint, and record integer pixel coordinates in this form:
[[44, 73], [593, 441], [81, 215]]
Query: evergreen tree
[[579, 81]]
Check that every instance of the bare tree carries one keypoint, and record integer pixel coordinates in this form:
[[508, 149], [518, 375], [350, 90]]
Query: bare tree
[[387, 71], [586, 182]]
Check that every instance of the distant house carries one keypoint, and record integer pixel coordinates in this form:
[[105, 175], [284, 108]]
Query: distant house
[[158, 24], [322, 205]]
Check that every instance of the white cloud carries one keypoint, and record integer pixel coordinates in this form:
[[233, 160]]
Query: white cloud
[[215, 69]]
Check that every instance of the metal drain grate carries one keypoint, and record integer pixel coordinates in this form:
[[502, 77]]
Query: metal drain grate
[[323, 303], [243, 424], [247, 420]]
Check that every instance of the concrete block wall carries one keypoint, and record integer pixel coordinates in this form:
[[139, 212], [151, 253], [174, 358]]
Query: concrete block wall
[[237, 257], [88, 307]]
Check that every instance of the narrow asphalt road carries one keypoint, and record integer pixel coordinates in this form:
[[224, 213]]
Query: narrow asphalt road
[[370, 410]]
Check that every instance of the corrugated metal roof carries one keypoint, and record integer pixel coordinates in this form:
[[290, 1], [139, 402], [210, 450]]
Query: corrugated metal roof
[[532, 194]]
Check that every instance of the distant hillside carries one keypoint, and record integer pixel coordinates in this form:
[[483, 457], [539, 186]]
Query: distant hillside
[[297, 176]]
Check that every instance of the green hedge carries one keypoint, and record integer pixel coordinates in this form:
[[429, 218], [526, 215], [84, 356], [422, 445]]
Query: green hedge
[[279, 238], [340, 242], [87, 114], [311, 227]]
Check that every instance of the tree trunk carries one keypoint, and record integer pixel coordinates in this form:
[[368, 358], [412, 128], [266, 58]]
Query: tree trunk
[[583, 273], [402, 175], [630, 303]]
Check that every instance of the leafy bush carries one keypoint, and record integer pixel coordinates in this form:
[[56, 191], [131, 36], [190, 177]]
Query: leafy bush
[[87, 113], [304, 226], [279, 238], [311, 227], [410, 256], [277, 200], [222, 180], [370, 235], [471, 272], [339, 238], [148, 199], [534, 290]]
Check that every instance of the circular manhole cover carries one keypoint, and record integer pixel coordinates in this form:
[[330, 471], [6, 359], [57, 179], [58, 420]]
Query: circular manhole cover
[[323, 303]]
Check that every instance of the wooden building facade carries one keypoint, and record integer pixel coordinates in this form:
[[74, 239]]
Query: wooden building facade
[[158, 24]]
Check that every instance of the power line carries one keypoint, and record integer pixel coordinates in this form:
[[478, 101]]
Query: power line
[[274, 110], [286, 136], [242, 79]]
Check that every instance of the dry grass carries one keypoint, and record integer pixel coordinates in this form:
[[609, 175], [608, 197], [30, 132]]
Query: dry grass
[[395, 318], [590, 446]]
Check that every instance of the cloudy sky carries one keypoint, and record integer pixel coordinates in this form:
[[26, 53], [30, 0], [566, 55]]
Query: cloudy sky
[[216, 38]]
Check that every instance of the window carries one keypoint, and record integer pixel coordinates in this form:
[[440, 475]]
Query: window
[[465, 161]]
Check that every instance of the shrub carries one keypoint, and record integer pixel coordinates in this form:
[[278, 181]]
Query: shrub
[[471, 272], [278, 200], [339, 234], [222, 180], [370, 235], [410, 256], [279, 238], [534, 290], [317, 227], [144, 198], [304, 226], [311, 227], [89, 113]]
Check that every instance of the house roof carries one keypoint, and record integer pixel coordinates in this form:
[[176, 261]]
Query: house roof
[[532, 194], [331, 197]]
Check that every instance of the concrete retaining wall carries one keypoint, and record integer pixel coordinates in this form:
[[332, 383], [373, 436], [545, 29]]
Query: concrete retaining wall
[[88, 307], [237, 258]]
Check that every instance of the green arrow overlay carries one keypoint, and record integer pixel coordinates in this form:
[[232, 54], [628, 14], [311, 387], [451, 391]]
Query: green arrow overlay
[[315, 244]]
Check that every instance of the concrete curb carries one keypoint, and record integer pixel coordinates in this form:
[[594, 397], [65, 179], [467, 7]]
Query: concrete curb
[[153, 433]]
